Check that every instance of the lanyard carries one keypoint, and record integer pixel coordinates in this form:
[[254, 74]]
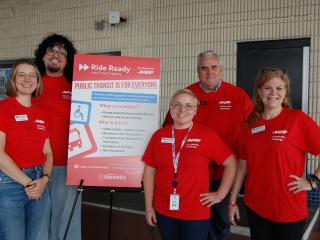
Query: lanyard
[[175, 156]]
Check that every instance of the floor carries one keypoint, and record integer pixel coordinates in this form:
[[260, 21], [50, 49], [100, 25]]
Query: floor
[[129, 225], [315, 233], [125, 226]]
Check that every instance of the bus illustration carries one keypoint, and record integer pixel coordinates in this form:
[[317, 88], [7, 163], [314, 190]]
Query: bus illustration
[[74, 139]]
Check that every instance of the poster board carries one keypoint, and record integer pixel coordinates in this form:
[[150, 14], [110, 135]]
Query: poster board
[[114, 112]]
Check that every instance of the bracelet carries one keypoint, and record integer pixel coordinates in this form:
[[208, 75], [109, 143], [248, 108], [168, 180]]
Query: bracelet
[[316, 180], [219, 197], [231, 205], [310, 182], [47, 175]]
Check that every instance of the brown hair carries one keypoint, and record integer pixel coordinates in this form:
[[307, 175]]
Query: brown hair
[[11, 85], [265, 76]]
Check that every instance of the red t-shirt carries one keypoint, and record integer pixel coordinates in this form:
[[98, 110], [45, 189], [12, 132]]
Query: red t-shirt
[[224, 111], [275, 149], [202, 146], [56, 99], [26, 129]]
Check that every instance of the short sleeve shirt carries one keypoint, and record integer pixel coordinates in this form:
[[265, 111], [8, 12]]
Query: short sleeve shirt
[[26, 130], [275, 149], [56, 100], [223, 111], [202, 146]]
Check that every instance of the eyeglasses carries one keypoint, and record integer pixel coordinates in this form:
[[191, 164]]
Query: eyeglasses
[[178, 106], [283, 71], [61, 52], [30, 76]]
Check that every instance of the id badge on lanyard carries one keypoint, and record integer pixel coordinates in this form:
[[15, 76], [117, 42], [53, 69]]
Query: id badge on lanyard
[[174, 197], [174, 202]]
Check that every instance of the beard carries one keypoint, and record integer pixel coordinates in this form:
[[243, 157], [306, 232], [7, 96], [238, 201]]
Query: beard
[[53, 69]]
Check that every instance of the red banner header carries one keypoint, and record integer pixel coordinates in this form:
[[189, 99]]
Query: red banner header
[[102, 67]]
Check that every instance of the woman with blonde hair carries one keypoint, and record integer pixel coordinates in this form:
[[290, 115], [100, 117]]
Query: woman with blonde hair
[[25, 155], [176, 174]]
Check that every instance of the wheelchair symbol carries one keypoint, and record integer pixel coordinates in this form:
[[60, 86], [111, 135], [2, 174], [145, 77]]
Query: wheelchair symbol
[[78, 114]]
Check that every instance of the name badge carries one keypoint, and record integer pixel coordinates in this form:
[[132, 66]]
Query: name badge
[[21, 118], [258, 129], [174, 202], [166, 140]]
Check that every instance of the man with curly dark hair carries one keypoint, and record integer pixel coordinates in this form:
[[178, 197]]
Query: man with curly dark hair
[[54, 58], [51, 42]]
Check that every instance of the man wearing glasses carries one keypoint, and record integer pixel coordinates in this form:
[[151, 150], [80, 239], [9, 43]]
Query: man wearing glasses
[[54, 58], [222, 107]]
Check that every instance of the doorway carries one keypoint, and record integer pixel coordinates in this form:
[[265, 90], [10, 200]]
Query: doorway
[[291, 55]]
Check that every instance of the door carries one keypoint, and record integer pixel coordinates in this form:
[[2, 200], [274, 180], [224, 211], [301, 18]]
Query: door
[[290, 55]]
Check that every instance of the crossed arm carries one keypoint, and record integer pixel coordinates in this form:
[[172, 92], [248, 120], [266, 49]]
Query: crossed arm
[[9, 167]]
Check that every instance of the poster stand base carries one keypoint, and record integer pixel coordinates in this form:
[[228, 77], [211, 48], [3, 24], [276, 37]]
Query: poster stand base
[[79, 190], [112, 192]]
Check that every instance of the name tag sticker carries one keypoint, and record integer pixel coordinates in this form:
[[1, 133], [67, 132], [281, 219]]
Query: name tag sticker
[[174, 202], [166, 140], [21, 118], [258, 129]]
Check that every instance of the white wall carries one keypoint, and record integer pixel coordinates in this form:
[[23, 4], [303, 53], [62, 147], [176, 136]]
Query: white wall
[[173, 30]]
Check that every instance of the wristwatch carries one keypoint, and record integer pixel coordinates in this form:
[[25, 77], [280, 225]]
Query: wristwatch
[[46, 175]]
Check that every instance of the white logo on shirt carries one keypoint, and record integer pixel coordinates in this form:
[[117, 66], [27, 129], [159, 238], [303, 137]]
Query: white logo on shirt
[[67, 92], [193, 140], [66, 95], [40, 124], [39, 121], [224, 102], [279, 132], [279, 135], [225, 105]]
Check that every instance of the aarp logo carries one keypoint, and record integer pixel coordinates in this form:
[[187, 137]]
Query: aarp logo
[[39, 121], [145, 71]]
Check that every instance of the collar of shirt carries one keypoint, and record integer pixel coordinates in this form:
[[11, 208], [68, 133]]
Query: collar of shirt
[[215, 89]]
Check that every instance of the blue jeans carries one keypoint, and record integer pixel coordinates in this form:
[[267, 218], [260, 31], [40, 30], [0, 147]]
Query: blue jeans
[[176, 229], [20, 218], [220, 223], [57, 212]]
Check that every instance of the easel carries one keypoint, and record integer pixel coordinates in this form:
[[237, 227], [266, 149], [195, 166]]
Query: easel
[[112, 191], [79, 190]]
